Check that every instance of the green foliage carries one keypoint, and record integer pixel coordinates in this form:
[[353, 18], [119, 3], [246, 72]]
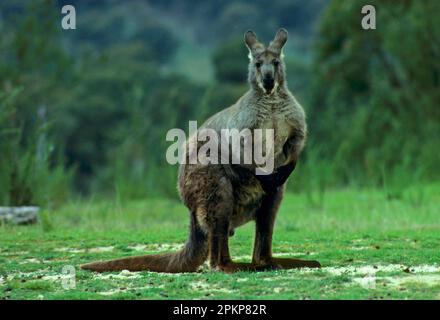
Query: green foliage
[[27, 177], [138, 165], [31, 173], [110, 24], [313, 177], [94, 104], [375, 97], [230, 62], [46, 222], [240, 15]]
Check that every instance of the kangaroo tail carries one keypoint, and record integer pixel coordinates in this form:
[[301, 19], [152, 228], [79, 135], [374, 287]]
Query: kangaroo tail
[[188, 259]]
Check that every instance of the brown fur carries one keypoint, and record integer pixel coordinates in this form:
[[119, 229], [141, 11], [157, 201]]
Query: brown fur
[[220, 198]]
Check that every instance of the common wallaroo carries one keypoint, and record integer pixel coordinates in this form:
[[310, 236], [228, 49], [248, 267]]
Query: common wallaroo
[[222, 197]]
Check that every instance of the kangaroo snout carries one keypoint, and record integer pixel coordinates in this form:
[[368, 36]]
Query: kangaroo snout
[[268, 83]]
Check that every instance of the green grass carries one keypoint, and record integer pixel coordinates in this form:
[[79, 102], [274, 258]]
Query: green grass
[[371, 246]]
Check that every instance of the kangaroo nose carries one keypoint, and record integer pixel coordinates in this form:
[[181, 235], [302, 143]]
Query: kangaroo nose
[[268, 83]]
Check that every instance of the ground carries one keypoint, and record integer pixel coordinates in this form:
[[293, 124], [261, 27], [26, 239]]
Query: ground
[[372, 244]]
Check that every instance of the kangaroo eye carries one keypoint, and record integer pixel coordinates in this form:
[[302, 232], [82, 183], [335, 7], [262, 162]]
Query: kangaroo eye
[[276, 63], [258, 65]]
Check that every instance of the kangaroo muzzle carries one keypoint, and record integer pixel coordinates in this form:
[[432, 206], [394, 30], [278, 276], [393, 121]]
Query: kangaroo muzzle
[[268, 84]]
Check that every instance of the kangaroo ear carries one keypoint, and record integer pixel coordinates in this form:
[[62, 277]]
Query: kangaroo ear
[[254, 46], [279, 41]]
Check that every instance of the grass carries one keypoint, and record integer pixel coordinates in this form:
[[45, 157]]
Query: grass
[[371, 246]]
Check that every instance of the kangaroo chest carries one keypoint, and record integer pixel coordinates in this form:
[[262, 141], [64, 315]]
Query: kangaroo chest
[[276, 119], [281, 130], [248, 192]]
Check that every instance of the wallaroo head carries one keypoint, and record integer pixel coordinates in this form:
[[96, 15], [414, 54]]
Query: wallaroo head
[[266, 67]]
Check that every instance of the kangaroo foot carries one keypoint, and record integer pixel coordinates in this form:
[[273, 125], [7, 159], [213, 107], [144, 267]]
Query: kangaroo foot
[[231, 267], [288, 263]]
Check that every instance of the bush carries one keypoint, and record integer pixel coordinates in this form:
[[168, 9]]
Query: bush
[[27, 176], [230, 62], [375, 100]]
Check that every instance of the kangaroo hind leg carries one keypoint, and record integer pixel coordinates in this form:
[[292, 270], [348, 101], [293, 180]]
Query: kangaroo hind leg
[[265, 220]]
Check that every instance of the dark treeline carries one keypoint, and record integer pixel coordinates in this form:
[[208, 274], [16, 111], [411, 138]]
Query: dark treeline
[[86, 111]]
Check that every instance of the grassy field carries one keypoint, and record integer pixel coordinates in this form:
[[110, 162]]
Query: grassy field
[[372, 245]]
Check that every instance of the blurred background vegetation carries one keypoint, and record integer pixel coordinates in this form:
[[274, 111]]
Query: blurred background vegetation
[[84, 112]]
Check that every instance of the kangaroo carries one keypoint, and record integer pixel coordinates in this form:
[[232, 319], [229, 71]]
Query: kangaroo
[[222, 197]]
